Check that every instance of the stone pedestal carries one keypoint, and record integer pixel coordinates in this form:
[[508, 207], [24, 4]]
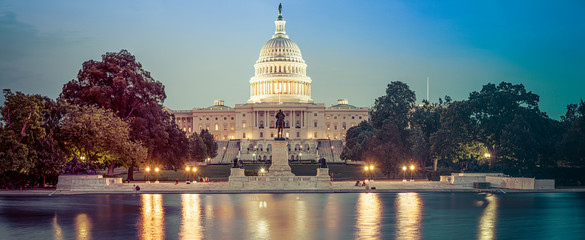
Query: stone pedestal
[[237, 178], [323, 180], [279, 165]]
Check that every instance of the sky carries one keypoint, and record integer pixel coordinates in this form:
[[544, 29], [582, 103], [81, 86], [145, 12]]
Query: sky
[[205, 50]]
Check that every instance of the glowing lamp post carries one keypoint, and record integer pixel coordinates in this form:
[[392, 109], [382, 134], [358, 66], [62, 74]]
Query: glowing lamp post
[[156, 170], [411, 172], [404, 173], [187, 169], [487, 155], [262, 171], [300, 156], [194, 169], [147, 173]]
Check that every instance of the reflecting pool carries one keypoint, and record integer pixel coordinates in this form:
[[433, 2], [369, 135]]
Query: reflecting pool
[[295, 216]]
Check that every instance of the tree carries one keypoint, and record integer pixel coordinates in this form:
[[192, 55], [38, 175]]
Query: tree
[[573, 141], [425, 120], [355, 141], [197, 149], [210, 143], [118, 82], [393, 107], [101, 137], [388, 149]]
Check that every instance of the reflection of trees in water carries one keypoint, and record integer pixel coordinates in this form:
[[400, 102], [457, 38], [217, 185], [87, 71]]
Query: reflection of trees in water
[[408, 216], [368, 216]]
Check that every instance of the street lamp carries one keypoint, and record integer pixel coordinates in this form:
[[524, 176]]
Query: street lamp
[[372, 170], [262, 171], [156, 170], [300, 156], [411, 172], [147, 172], [404, 173], [487, 155], [187, 169]]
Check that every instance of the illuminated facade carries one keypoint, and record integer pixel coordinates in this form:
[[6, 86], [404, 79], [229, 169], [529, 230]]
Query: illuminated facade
[[280, 83]]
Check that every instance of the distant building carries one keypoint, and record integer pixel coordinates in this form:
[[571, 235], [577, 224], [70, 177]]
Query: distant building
[[280, 83]]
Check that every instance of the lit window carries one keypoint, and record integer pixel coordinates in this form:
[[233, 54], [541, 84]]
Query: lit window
[[184, 129], [216, 127], [189, 129], [286, 134], [328, 117], [243, 124]]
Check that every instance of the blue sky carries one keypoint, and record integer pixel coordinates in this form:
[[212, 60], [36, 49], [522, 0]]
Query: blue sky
[[205, 50]]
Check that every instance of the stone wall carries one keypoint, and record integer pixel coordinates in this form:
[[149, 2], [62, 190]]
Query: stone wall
[[84, 182]]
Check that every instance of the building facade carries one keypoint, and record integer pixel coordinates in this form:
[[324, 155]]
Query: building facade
[[280, 83]]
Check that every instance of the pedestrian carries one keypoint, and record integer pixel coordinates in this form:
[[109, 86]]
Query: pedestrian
[[176, 181], [137, 188]]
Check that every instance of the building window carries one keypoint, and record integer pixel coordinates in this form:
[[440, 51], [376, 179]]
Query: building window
[[344, 126], [352, 117], [232, 118], [328, 117], [243, 124], [271, 134], [315, 134], [360, 117], [243, 135], [298, 134], [297, 114], [224, 136], [286, 134], [225, 126], [216, 127], [224, 118], [315, 123], [207, 128], [215, 119], [200, 118], [184, 129], [243, 115], [335, 117], [335, 127], [216, 138], [261, 134], [315, 115], [207, 119], [200, 127], [189, 129]]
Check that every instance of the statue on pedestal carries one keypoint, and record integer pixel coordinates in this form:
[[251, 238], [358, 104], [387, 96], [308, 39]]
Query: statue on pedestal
[[279, 125], [322, 163]]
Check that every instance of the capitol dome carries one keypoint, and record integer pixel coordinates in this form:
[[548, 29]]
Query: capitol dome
[[280, 71]]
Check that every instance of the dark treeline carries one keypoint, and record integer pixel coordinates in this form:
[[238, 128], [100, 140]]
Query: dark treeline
[[500, 128], [110, 116]]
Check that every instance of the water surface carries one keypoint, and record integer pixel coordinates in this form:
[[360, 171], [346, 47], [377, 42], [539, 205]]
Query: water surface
[[295, 216]]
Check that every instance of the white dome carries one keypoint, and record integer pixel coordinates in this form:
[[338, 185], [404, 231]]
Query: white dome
[[280, 49], [280, 72]]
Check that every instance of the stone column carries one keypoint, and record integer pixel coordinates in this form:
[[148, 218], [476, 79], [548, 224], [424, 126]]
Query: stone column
[[279, 165]]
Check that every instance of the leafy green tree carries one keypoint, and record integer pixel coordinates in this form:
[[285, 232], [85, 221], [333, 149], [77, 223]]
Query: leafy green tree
[[356, 138], [388, 149], [101, 137], [394, 107], [573, 141], [210, 143], [197, 148], [119, 83]]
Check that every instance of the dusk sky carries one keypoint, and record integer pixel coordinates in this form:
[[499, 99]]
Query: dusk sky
[[205, 50]]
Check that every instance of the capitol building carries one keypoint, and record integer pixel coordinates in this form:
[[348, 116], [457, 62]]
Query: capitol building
[[280, 82]]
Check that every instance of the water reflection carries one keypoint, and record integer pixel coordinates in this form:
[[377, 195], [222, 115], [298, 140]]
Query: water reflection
[[57, 229], [332, 214], [369, 216], [191, 217], [83, 226], [152, 221], [408, 216], [487, 222]]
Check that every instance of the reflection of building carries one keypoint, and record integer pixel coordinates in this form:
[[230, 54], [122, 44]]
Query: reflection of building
[[280, 83]]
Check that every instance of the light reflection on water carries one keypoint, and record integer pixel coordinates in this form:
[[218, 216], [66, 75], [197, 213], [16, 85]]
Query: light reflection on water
[[191, 217], [369, 216], [83, 226], [408, 216], [487, 222], [295, 216], [152, 218]]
